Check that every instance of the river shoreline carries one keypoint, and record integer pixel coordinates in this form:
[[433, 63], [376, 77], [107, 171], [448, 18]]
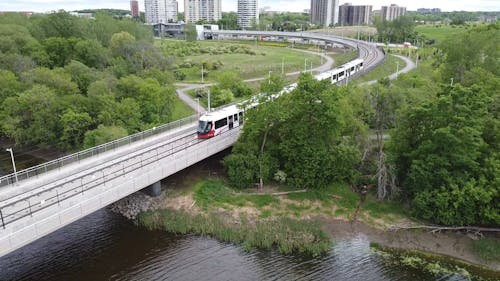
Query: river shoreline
[[454, 245]]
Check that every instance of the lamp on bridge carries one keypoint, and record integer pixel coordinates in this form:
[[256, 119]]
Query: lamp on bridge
[[13, 162]]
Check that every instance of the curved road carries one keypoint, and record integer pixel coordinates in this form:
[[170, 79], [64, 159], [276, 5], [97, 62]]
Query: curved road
[[185, 87], [410, 65]]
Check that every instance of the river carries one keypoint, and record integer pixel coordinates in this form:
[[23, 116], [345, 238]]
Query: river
[[106, 246]]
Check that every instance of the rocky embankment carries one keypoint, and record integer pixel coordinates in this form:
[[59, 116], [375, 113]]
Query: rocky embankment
[[136, 203]]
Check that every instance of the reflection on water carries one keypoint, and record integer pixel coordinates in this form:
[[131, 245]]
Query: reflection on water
[[104, 246]]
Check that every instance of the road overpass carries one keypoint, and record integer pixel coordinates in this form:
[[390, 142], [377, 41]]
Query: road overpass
[[44, 198]]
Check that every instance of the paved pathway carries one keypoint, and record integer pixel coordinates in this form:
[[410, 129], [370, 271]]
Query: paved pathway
[[182, 88], [409, 66]]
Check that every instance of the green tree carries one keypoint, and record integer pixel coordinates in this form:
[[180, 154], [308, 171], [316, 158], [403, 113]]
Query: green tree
[[82, 75], [91, 53], [9, 85], [442, 158], [74, 127], [56, 79], [103, 134], [32, 117]]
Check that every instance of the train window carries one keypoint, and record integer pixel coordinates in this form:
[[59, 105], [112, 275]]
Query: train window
[[236, 117], [352, 68], [221, 123], [341, 73]]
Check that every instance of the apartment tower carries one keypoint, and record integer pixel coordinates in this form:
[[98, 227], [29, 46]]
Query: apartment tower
[[389, 13], [134, 8], [354, 15], [324, 12], [160, 11], [196, 10], [248, 13]]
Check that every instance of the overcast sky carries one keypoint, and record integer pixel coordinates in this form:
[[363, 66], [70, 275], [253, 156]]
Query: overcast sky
[[230, 5]]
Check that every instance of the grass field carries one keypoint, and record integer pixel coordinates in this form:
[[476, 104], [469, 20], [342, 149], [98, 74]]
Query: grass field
[[440, 32], [385, 69], [251, 66], [181, 109]]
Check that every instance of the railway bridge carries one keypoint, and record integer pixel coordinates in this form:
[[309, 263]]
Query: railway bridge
[[39, 200]]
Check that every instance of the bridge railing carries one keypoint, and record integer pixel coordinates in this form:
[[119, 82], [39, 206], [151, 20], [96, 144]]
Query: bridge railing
[[75, 157]]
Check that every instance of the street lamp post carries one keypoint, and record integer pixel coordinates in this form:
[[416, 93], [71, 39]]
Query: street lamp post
[[451, 84], [269, 77], [305, 65], [13, 162]]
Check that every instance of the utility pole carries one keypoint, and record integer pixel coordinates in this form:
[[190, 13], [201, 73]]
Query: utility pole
[[451, 84], [269, 77], [13, 162], [311, 67], [208, 99], [397, 68], [305, 65]]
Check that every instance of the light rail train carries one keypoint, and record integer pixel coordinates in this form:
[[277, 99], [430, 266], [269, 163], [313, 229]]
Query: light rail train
[[217, 122]]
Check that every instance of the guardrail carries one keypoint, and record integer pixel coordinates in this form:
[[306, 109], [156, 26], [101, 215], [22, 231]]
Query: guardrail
[[75, 157]]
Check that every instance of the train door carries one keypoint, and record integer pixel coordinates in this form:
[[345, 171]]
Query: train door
[[231, 122], [236, 121]]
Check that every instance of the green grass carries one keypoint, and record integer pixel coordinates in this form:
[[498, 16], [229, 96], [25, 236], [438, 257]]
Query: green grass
[[340, 59], [251, 66], [379, 209], [287, 234], [441, 32], [181, 109], [385, 69], [336, 194], [487, 249], [214, 193]]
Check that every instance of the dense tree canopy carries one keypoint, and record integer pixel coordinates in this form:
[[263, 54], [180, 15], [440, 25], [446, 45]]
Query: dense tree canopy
[[64, 80], [299, 134]]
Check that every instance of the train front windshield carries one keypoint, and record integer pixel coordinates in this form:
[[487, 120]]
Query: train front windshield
[[204, 127]]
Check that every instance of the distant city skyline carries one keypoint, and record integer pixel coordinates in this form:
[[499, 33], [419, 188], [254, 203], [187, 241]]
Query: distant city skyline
[[231, 5]]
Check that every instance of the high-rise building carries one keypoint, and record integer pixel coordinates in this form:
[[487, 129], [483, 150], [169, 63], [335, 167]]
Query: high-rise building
[[160, 11], [196, 10], [134, 8], [391, 12], [324, 12], [248, 12], [354, 15]]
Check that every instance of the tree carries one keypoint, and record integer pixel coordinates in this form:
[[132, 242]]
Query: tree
[[9, 85], [103, 134], [56, 79], [383, 104], [120, 44], [74, 127], [300, 134], [82, 75], [32, 117], [91, 53], [447, 167]]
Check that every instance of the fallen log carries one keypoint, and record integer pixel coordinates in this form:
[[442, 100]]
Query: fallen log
[[441, 228]]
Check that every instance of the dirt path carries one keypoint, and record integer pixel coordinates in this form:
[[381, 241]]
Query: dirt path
[[410, 65]]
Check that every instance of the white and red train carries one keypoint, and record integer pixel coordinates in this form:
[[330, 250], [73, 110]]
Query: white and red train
[[217, 122]]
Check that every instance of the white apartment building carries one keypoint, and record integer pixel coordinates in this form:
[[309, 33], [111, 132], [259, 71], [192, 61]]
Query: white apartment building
[[248, 13], [160, 11], [324, 12], [196, 10], [389, 13]]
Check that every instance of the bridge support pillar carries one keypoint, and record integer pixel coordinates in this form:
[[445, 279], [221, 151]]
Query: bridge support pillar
[[153, 190]]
